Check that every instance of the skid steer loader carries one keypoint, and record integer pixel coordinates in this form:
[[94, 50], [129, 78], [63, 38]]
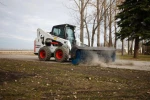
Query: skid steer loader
[[62, 44]]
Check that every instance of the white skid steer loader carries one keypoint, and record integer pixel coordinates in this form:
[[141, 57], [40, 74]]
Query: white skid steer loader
[[61, 44]]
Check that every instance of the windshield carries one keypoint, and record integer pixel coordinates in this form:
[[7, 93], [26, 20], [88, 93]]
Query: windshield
[[70, 34], [59, 31]]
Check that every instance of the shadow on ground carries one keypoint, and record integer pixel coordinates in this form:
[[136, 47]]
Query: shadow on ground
[[7, 76]]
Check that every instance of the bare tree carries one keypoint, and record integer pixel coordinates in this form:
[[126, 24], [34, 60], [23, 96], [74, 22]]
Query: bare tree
[[81, 4], [117, 2], [108, 21], [131, 47], [128, 46], [93, 31], [103, 12], [115, 25], [110, 24], [122, 52], [98, 21], [105, 26], [88, 33]]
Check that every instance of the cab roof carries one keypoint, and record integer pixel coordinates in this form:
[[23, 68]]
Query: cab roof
[[64, 25]]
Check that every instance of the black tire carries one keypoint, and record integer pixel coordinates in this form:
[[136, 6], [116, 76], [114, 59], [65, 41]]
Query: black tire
[[44, 54], [61, 54]]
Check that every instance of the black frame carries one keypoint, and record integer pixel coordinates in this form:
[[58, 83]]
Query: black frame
[[64, 26]]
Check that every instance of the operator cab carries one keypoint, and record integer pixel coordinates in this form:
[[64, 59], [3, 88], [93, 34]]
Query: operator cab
[[64, 31]]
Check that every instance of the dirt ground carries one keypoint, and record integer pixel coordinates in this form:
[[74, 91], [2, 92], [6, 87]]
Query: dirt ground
[[35, 80], [122, 64], [24, 77]]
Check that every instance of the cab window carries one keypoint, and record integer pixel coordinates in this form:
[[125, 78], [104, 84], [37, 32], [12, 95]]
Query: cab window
[[70, 34], [58, 31]]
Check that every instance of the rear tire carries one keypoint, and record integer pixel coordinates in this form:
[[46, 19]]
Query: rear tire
[[61, 54], [44, 54]]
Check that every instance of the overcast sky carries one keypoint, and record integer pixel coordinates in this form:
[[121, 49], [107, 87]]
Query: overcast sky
[[19, 20]]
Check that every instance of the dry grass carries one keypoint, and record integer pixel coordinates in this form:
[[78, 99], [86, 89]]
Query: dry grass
[[130, 57], [16, 52]]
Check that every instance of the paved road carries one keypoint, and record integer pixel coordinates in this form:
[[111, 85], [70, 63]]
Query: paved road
[[123, 64]]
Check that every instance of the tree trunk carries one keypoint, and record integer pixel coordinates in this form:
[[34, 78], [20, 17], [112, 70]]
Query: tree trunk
[[122, 52], [110, 19], [88, 33], [98, 29], [131, 48], [136, 47], [143, 47], [82, 21], [115, 43], [92, 42], [128, 46], [93, 33], [105, 27], [98, 37]]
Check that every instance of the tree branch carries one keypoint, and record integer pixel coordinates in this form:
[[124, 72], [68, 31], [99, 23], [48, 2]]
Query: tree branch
[[85, 4], [77, 5], [2, 4]]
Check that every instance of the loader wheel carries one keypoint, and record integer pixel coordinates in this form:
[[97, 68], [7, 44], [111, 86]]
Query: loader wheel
[[44, 54], [60, 54]]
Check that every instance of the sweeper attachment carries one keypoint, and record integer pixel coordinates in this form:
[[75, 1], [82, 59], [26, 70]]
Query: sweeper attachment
[[88, 54], [61, 44]]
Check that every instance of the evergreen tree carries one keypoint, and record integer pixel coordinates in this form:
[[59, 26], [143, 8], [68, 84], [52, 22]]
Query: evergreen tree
[[134, 21]]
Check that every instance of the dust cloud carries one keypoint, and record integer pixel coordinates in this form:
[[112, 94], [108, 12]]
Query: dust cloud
[[103, 59], [94, 59]]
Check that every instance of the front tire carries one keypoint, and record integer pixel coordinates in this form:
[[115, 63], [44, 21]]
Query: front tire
[[61, 54], [44, 54]]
